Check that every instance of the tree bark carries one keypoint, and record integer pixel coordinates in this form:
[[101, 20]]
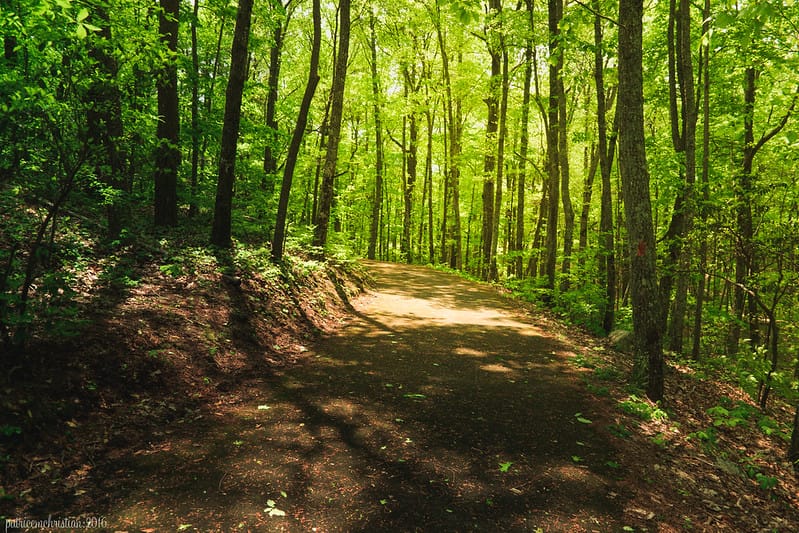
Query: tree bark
[[296, 140], [195, 113], [167, 155], [334, 133], [377, 199], [223, 208], [104, 121], [524, 142], [272, 133], [637, 206], [555, 8]]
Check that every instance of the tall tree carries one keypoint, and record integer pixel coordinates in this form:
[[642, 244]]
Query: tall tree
[[194, 78], [524, 141], [167, 155], [492, 125], [334, 132], [683, 117], [223, 208], [555, 10], [296, 140], [637, 204], [377, 199], [281, 18], [104, 122]]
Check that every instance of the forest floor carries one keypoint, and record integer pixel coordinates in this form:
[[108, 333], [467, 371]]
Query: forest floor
[[428, 403]]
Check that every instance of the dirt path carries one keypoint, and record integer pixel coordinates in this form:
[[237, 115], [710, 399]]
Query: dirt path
[[439, 406]]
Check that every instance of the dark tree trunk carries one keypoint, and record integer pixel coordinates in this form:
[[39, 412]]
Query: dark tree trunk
[[296, 140], [272, 134], [223, 209], [635, 185], [167, 155], [195, 113], [334, 133], [553, 128], [104, 121]]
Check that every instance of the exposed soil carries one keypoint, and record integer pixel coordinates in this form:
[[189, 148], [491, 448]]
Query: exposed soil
[[433, 404]]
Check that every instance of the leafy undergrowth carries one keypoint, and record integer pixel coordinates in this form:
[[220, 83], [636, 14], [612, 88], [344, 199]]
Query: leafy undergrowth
[[161, 341], [707, 455]]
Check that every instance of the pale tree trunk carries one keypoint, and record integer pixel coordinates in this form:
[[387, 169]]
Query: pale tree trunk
[[637, 205], [377, 199], [523, 145], [568, 208], [334, 133], [702, 211], [605, 150], [223, 208], [296, 139], [683, 116]]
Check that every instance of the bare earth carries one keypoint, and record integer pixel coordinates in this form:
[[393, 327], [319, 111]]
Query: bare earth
[[438, 405]]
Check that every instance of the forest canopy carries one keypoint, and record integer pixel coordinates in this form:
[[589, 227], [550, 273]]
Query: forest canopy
[[630, 165]]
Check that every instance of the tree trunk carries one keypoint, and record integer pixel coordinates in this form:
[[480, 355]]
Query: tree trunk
[[104, 121], [272, 132], [503, 133], [167, 155], [555, 8], [568, 208], [223, 208], [524, 142], [703, 245], [334, 133], [490, 150], [637, 206], [195, 113], [296, 139], [683, 116], [454, 118], [378, 191], [605, 149]]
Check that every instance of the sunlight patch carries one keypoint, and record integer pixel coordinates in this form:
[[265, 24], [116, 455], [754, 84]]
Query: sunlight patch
[[495, 367], [469, 351]]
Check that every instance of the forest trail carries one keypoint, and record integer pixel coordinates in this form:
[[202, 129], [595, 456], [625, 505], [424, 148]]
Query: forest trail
[[440, 406]]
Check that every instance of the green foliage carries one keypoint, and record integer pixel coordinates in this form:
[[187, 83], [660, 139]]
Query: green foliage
[[642, 408], [7, 430]]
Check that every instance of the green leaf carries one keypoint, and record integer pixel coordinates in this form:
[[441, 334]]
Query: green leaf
[[415, 396], [577, 459], [504, 467], [275, 512], [581, 419], [80, 31], [82, 15]]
